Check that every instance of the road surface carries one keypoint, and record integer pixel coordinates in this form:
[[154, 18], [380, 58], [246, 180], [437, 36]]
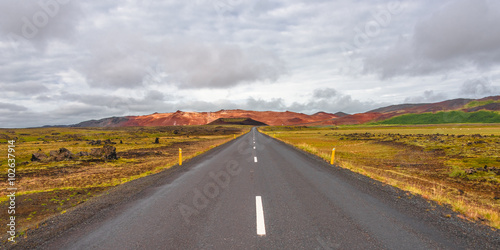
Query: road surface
[[258, 193]]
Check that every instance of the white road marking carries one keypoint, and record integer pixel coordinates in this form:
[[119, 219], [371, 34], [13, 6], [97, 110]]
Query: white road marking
[[254, 147], [255, 158], [261, 226]]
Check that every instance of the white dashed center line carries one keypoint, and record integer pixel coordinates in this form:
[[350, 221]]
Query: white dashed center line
[[261, 226], [255, 158]]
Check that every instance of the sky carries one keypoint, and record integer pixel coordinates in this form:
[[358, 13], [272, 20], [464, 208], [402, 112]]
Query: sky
[[64, 61]]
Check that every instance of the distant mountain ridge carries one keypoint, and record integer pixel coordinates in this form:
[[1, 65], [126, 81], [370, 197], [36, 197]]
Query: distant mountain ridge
[[275, 118], [425, 107], [490, 103], [202, 118], [237, 121]]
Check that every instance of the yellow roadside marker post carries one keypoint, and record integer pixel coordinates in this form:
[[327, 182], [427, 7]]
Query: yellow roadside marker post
[[333, 156], [234, 136], [180, 157]]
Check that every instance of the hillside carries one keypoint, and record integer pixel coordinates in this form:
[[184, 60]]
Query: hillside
[[275, 118], [491, 103], [444, 117], [237, 121], [201, 118]]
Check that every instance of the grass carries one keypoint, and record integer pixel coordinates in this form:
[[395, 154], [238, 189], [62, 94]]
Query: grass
[[444, 117], [474, 104], [50, 187], [444, 163]]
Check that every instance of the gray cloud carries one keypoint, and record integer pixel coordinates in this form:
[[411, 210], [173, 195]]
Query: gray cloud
[[458, 34], [465, 29], [78, 108], [38, 22], [28, 88], [17, 119], [81, 110], [96, 59], [250, 103], [333, 101], [427, 97], [151, 100], [479, 87], [12, 107], [122, 60], [209, 66], [330, 100], [263, 105], [325, 93]]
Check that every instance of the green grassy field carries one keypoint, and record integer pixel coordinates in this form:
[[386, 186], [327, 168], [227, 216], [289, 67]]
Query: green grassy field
[[444, 118], [453, 164], [473, 104], [50, 187]]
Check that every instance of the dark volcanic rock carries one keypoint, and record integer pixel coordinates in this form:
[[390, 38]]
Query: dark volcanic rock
[[83, 153], [106, 152], [109, 152], [38, 156], [96, 152], [99, 142], [470, 171], [108, 141], [61, 155]]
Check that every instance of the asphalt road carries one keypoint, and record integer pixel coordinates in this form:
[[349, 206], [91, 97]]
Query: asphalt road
[[258, 193]]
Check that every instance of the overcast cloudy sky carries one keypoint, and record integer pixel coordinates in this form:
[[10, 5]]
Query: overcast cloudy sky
[[66, 61]]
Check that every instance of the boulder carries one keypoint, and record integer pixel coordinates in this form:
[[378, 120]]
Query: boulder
[[107, 152], [108, 141], [61, 155], [38, 156], [83, 153], [470, 171], [96, 152], [492, 169], [98, 142]]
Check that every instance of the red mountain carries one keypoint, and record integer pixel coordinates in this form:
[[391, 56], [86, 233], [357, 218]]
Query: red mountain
[[201, 118], [274, 118]]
